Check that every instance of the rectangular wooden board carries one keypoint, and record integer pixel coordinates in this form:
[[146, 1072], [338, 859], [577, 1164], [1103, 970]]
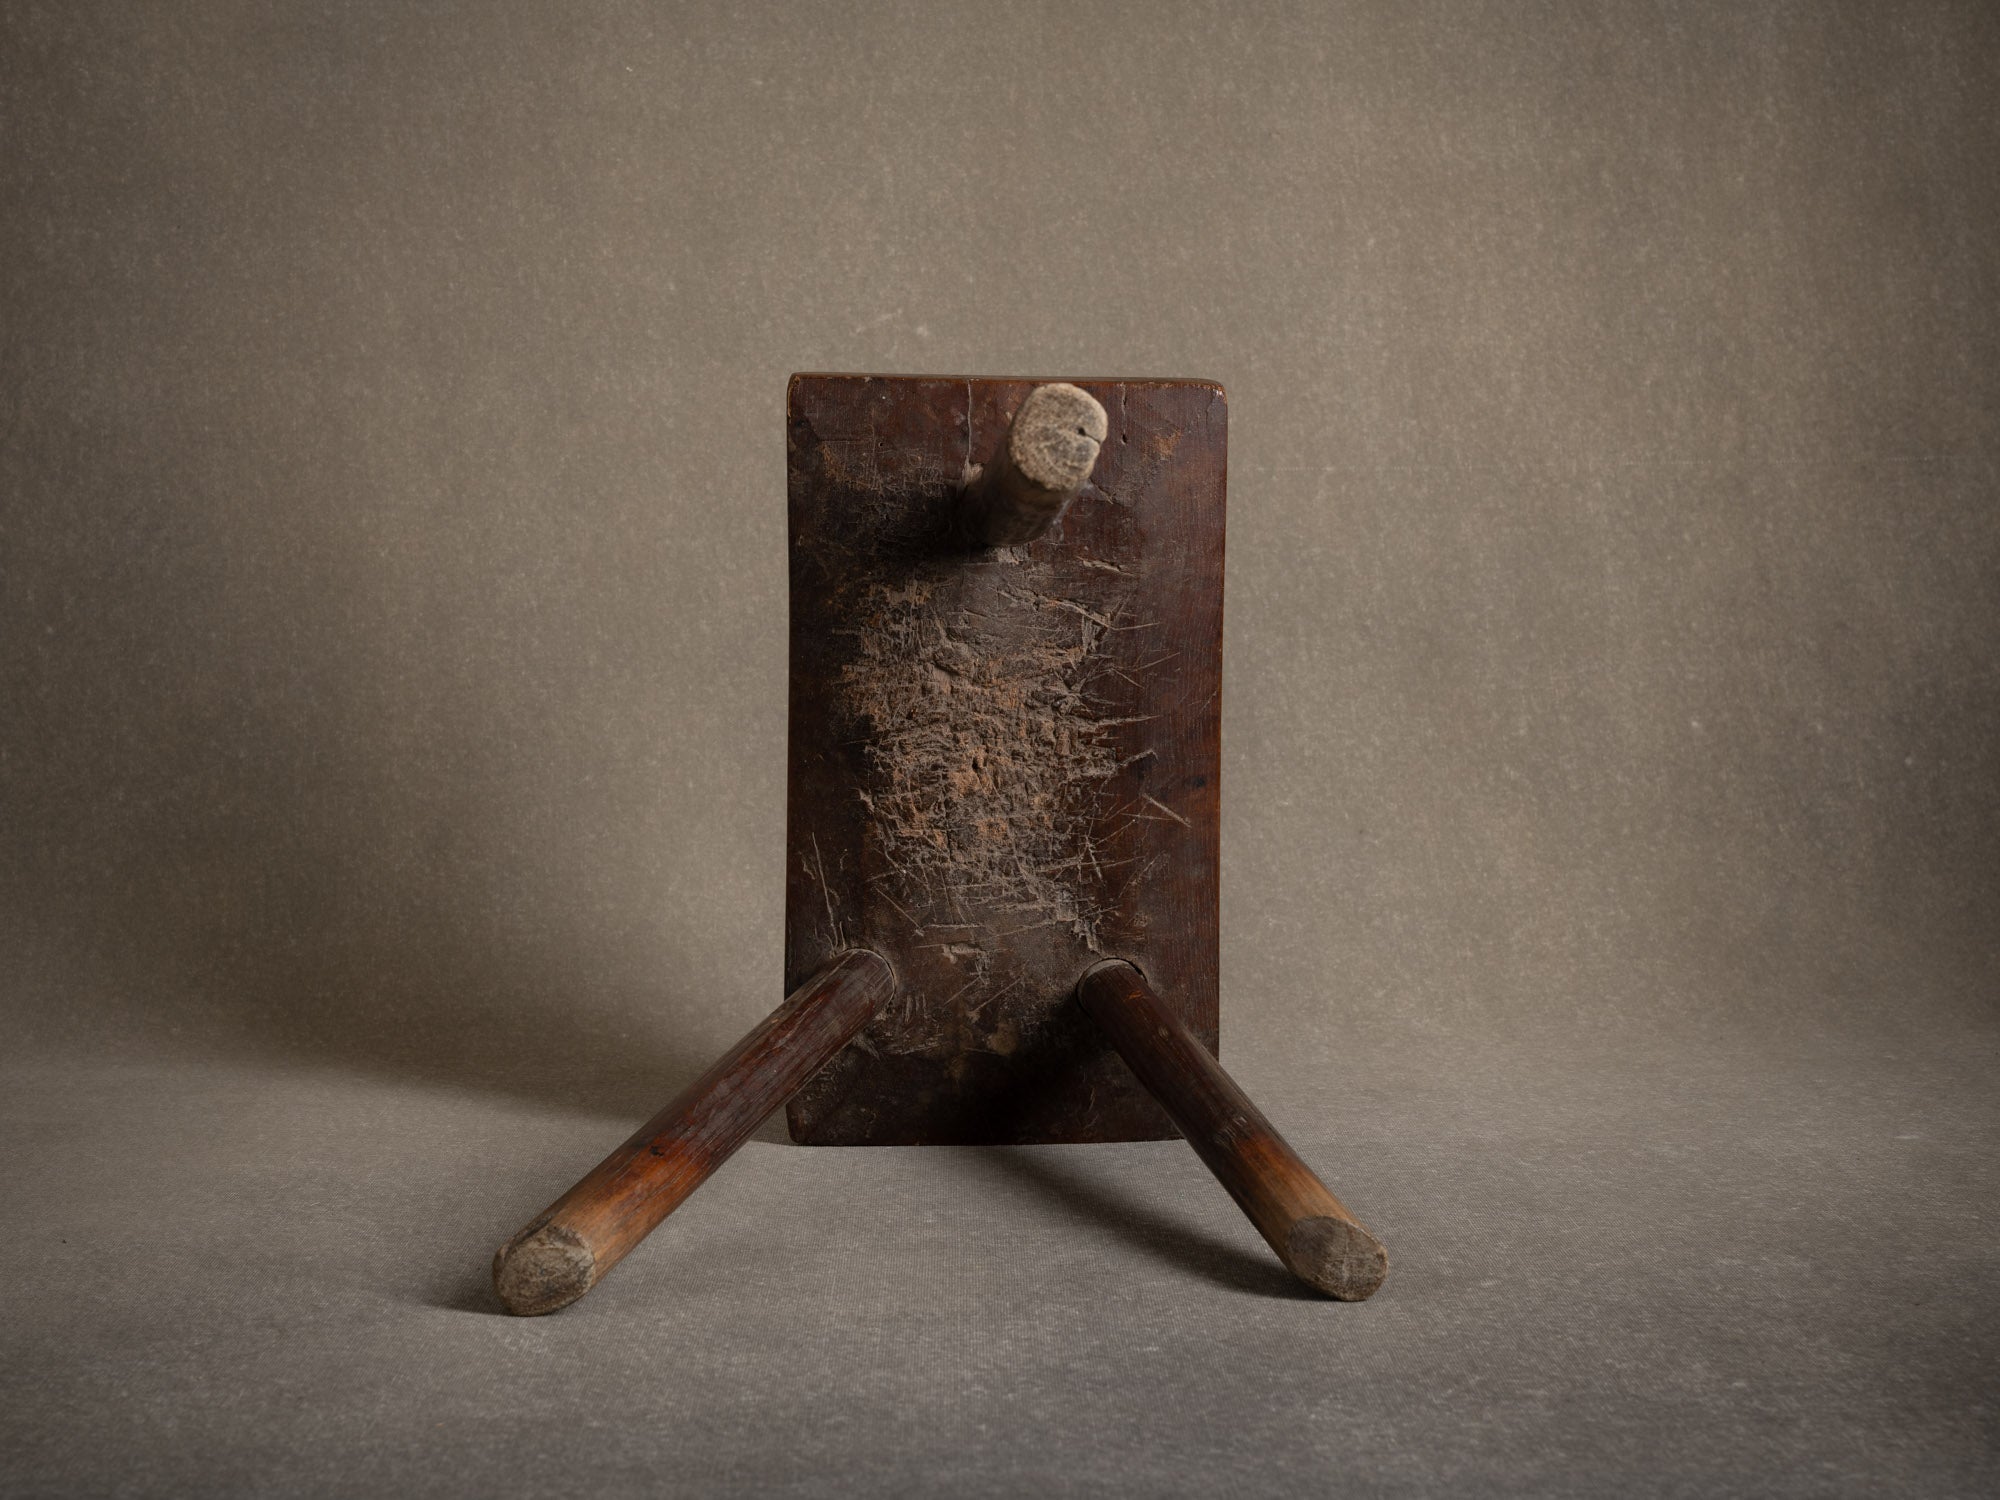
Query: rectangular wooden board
[[1004, 764]]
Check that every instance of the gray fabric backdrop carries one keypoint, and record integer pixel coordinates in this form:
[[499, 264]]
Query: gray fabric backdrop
[[392, 585]]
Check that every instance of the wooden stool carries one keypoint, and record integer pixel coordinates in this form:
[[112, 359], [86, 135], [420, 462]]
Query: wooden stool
[[1001, 891]]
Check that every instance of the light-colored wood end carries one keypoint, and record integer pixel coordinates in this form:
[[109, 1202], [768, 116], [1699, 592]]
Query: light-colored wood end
[[543, 1270], [1055, 437], [1337, 1257], [1045, 459]]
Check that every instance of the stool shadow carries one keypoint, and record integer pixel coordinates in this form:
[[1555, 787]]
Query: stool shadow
[[1165, 1238]]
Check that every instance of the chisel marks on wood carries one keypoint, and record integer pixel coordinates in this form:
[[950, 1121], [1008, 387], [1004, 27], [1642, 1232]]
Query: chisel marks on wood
[[988, 751]]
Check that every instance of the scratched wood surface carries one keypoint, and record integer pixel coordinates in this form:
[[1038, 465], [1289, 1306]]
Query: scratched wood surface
[[1004, 764]]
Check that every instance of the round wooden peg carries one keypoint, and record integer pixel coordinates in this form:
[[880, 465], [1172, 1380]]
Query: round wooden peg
[[1045, 459]]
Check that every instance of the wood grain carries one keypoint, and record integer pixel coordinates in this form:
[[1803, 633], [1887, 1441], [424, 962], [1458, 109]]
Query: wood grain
[[1004, 763], [567, 1249], [1319, 1241]]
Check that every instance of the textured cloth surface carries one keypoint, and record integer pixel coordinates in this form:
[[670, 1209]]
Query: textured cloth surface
[[1688, 1273]]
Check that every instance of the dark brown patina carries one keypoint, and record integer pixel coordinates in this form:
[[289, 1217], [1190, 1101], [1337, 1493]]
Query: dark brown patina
[[1003, 761]]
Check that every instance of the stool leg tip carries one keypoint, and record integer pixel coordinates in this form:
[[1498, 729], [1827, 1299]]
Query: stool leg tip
[[1336, 1257], [543, 1270]]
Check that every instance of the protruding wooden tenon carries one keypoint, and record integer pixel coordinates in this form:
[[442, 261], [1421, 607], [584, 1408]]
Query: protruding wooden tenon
[[1043, 461], [566, 1250], [1319, 1241]]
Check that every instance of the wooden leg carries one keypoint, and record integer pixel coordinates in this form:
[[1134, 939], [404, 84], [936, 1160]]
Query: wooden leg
[[587, 1231], [1043, 461], [1315, 1236]]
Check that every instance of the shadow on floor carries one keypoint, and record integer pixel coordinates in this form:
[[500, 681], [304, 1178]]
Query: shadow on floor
[[1091, 1202], [470, 1292]]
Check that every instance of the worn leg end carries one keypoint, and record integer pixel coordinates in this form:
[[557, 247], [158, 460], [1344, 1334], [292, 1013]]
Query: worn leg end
[[1336, 1257], [542, 1270]]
